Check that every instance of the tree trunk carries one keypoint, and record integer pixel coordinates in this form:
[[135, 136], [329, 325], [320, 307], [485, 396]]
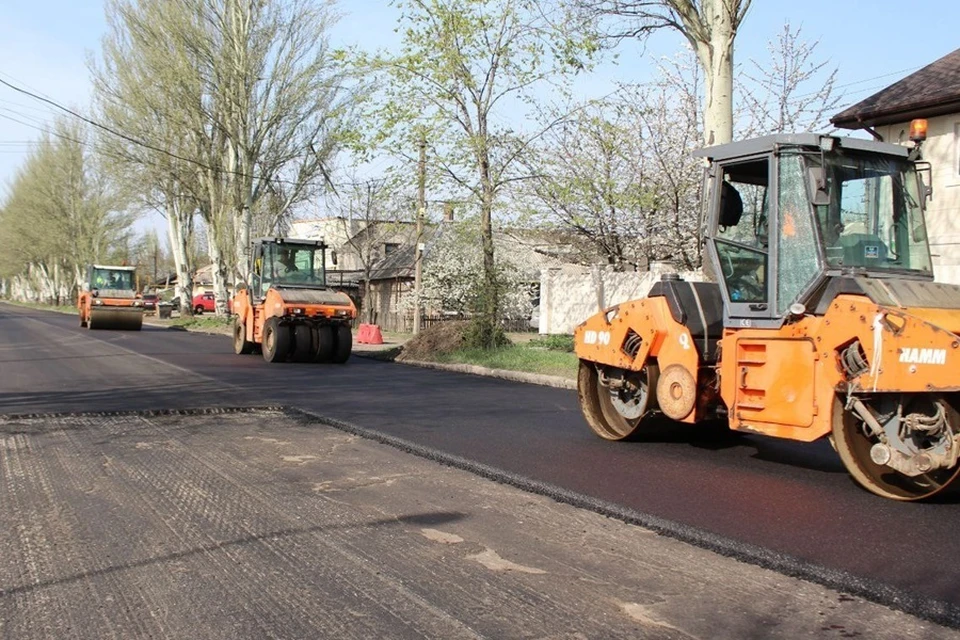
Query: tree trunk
[[716, 58], [176, 231], [491, 293], [218, 272]]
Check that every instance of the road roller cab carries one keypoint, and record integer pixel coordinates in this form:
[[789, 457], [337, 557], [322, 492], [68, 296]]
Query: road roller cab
[[109, 300], [287, 310], [821, 317]]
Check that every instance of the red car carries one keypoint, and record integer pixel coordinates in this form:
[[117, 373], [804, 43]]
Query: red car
[[205, 302], [150, 301]]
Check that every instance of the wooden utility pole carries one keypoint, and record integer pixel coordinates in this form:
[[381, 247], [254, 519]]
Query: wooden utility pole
[[421, 210]]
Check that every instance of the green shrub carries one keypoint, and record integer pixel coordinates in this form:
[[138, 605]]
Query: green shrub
[[554, 342], [482, 334]]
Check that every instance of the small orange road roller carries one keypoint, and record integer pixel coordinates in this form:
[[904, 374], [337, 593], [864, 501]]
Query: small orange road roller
[[110, 299], [287, 310]]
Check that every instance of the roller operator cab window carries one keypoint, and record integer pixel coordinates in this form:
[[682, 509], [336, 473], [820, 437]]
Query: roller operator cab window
[[116, 279], [294, 264], [874, 218], [798, 261], [741, 233]]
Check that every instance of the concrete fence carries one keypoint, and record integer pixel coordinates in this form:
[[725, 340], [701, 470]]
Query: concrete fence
[[570, 295]]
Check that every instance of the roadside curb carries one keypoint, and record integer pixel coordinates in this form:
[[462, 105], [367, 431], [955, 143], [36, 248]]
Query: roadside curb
[[503, 374], [208, 332]]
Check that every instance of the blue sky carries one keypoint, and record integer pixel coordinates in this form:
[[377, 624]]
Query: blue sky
[[44, 45]]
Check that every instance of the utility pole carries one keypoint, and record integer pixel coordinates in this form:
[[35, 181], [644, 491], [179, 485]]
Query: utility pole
[[421, 210]]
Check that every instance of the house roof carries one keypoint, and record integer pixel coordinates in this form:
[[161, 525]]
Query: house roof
[[933, 90], [399, 264], [402, 260], [531, 249], [374, 231]]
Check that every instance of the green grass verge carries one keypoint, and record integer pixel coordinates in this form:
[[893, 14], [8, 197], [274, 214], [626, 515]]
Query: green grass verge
[[64, 308], [203, 323], [517, 357]]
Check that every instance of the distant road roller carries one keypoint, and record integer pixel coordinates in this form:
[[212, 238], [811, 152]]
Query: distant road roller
[[110, 299], [823, 319], [288, 311]]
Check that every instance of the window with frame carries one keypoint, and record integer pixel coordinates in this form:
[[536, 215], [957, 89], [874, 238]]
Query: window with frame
[[741, 233]]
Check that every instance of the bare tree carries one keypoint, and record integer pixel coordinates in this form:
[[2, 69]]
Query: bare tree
[[375, 215], [245, 101], [790, 90], [284, 104], [710, 26]]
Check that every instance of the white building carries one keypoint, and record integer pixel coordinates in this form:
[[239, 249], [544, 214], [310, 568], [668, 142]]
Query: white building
[[335, 231]]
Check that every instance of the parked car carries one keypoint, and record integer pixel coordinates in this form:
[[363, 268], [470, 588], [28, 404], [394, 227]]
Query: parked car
[[205, 302], [150, 301]]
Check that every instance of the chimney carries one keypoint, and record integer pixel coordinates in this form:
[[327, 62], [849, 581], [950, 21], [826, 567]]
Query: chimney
[[448, 212]]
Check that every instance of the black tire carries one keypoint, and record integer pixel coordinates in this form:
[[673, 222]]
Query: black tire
[[276, 341], [198, 310], [343, 344], [241, 346], [302, 343], [853, 446], [599, 409], [324, 343]]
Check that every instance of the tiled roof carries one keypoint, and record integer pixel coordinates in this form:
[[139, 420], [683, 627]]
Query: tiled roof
[[933, 90]]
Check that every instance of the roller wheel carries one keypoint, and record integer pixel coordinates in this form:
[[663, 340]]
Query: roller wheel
[[302, 343], [615, 415], [241, 346], [324, 343], [276, 341], [343, 344], [853, 445]]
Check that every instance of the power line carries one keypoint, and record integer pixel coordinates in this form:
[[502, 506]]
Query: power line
[[146, 145], [856, 82]]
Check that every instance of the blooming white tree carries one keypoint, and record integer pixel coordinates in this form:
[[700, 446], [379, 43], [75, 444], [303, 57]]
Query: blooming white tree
[[619, 175], [790, 90], [454, 278]]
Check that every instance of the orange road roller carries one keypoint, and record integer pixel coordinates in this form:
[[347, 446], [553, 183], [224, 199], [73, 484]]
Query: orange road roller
[[287, 311], [110, 299], [821, 317]]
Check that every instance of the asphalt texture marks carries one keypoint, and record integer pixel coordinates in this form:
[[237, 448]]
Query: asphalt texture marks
[[264, 524]]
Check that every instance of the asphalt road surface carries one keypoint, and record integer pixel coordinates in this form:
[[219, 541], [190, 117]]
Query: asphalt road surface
[[787, 506]]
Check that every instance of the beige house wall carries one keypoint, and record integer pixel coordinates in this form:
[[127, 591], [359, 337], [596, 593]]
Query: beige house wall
[[570, 295], [942, 151]]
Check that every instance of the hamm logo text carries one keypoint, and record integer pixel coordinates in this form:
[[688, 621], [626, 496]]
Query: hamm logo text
[[924, 356]]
